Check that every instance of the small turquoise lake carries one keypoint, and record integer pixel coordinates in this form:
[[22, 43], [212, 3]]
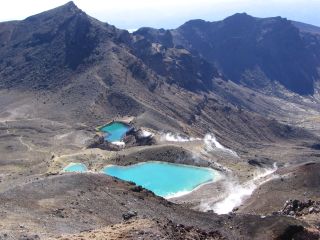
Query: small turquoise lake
[[75, 167], [164, 179], [115, 131]]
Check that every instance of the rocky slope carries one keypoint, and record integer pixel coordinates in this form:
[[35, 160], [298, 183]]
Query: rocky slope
[[63, 204]]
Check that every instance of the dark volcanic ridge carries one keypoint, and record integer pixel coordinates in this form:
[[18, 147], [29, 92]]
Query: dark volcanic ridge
[[251, 51]]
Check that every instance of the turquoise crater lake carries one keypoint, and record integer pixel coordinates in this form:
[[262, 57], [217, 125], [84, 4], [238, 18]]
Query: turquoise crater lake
[[164, 179], [115, 131], [75, 167]]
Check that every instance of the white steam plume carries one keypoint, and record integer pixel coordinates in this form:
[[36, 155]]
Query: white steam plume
[[171, 137], [212, 145], [210, 142], [237, 193]]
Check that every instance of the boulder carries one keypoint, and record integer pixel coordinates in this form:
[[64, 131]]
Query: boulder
[[128, 215]]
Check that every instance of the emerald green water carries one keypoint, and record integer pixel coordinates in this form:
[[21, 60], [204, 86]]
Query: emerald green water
[[75, 167], [115, 131], [164, 179]]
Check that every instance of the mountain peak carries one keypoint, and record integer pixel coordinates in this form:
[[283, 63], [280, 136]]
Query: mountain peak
[[243, 14], [197, 23], [239, 17], [70, 5], [62, 11]]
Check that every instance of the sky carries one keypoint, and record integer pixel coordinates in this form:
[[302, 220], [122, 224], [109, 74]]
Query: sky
[[133, 14]]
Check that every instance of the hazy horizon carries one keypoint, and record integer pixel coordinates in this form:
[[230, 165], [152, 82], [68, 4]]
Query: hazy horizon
[[168, 14]]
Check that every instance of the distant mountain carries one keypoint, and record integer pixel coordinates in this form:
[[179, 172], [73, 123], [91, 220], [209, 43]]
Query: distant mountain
[[255, 52], [79, 67], [45, 48], [72, 61]]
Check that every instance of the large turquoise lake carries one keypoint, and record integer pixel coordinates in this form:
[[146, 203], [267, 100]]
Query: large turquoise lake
[[115, 131], [164, 179]]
